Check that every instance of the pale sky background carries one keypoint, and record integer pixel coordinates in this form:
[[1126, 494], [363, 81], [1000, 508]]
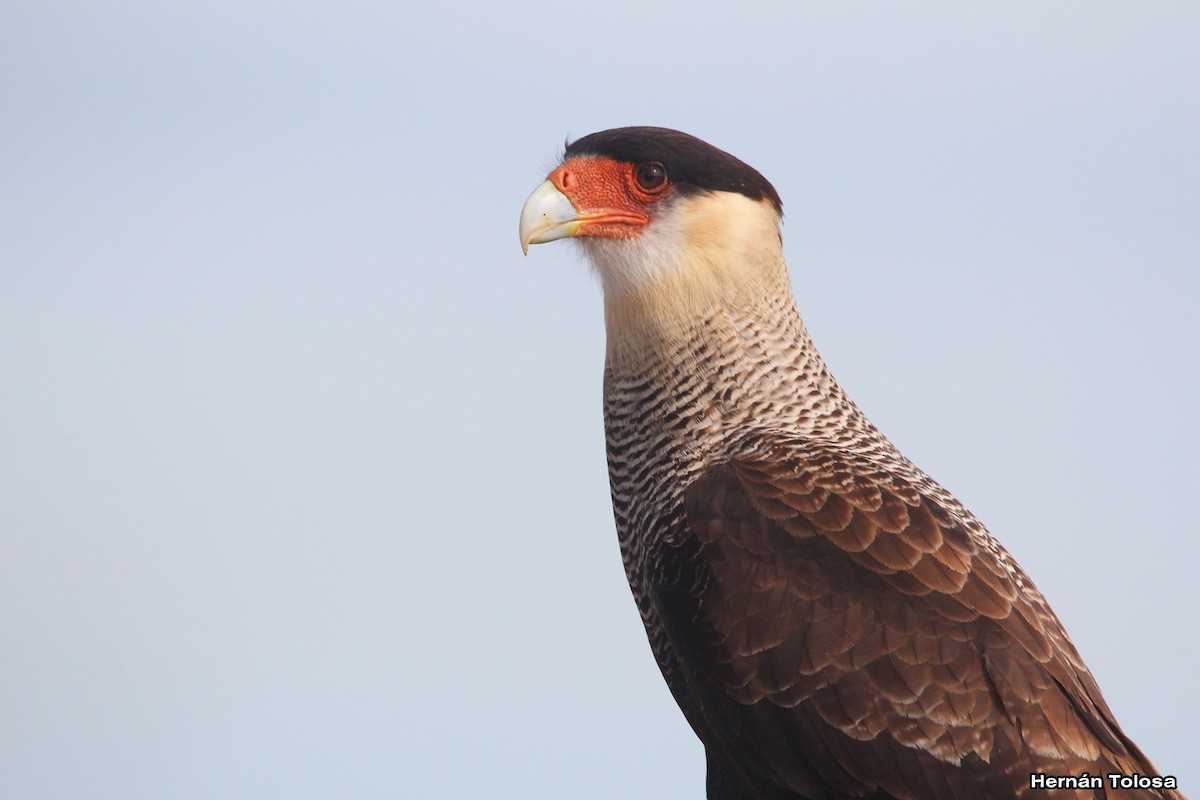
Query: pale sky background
[[302, 484]]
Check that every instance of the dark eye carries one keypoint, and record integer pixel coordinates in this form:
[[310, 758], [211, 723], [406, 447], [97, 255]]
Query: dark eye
[[650, 176]]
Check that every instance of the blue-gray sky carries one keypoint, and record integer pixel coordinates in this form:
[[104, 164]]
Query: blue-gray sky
[[302, 485]]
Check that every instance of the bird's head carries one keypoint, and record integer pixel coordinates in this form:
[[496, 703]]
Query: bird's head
[[666, 219]]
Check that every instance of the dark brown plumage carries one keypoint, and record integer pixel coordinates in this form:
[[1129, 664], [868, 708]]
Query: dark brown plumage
[[831, 621]]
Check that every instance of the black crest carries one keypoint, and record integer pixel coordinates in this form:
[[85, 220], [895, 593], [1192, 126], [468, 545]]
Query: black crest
[[692, 164]]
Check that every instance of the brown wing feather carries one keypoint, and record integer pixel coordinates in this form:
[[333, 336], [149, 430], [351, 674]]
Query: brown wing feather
[[858, 636]]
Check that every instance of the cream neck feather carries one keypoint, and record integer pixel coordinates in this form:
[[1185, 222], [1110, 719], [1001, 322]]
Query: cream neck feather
[[711, 251]]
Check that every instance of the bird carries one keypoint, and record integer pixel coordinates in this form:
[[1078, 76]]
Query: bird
[[831, 621]]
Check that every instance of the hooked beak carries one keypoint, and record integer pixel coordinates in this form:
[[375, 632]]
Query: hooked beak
[[547, 215]]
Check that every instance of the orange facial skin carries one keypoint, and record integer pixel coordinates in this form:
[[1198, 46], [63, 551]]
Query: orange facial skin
[[613, 198]]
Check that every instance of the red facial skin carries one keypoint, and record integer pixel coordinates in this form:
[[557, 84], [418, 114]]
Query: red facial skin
[[608, 195]]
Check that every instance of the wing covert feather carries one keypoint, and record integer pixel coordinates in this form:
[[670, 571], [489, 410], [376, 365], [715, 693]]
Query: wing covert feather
[[869, 639]]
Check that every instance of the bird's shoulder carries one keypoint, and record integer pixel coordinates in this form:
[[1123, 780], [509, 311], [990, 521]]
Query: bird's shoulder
[[848, 599]]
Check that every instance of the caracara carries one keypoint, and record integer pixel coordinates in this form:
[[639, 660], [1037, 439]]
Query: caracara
[[831, 621]]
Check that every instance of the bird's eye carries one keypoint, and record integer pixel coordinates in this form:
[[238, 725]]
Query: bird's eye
[[651, 176]]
